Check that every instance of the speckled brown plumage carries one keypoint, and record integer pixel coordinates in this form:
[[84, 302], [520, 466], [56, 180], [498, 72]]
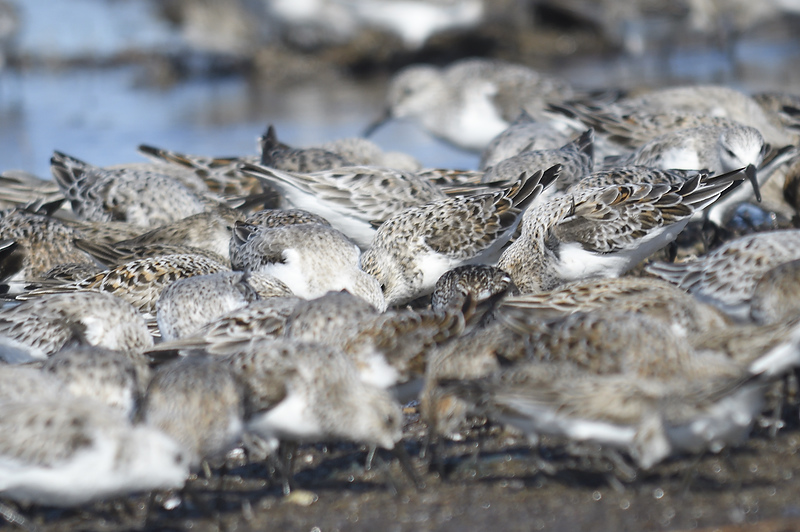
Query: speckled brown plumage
[[45, 324], [187, 304], [220, 174], [354, 199], [140, 197], [576, 159], [115, 378], [44, 242], [727, 276], [140, 281], [659, 300], [414, 248], [478, 281], [604, 231], [311, 259], [320, 388], [277, 155], [388, 349], [237, 329], [198, 402]]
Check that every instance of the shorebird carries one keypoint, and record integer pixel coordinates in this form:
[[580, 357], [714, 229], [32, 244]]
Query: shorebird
[[604, 231]]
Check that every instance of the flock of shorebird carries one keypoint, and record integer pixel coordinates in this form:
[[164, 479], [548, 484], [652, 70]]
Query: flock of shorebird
[[157, 316]]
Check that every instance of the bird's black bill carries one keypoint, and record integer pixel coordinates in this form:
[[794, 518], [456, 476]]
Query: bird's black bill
[[377, 123], [752, 175]]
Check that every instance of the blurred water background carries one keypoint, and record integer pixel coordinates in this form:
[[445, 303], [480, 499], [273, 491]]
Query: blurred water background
[[95, 78]]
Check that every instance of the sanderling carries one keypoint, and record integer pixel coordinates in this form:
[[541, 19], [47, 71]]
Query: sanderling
[[603, 232], [65, 274], [714, 149], [267, 286], [718, 149], [67, 452], [783, 105], [388, 349], [481, 282], [649, 416], [404, 338], [44, 325], [281, 217], [311, 392], [639, 343], [635, 128], [727, 276], [770, 352], [303, 160], [19, 188], [642, 175], [352, 198], [620, 379], [472, 356], [142, 198], [232, 332], [106, 232], [10, 260], [114, 378], [326, 319], [117, 255], [765, 349], [187, 304], [576, 159], [220, 174], [454, 182], [682, 312], [775, 295], [469, 102], [716, 213], [413, 249], [140, 281], [187, 177], [206, 230], [713, 100], [44, 242], [311, 259], [197, 401]]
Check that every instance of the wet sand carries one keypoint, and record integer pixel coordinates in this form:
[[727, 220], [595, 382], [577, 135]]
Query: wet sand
[[505, 486]]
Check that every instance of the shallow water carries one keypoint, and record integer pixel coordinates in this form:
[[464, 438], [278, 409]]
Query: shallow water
[[101, 115]]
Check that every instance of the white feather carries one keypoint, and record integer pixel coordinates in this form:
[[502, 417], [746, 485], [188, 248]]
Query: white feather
[[290, 419], [576, 263]]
